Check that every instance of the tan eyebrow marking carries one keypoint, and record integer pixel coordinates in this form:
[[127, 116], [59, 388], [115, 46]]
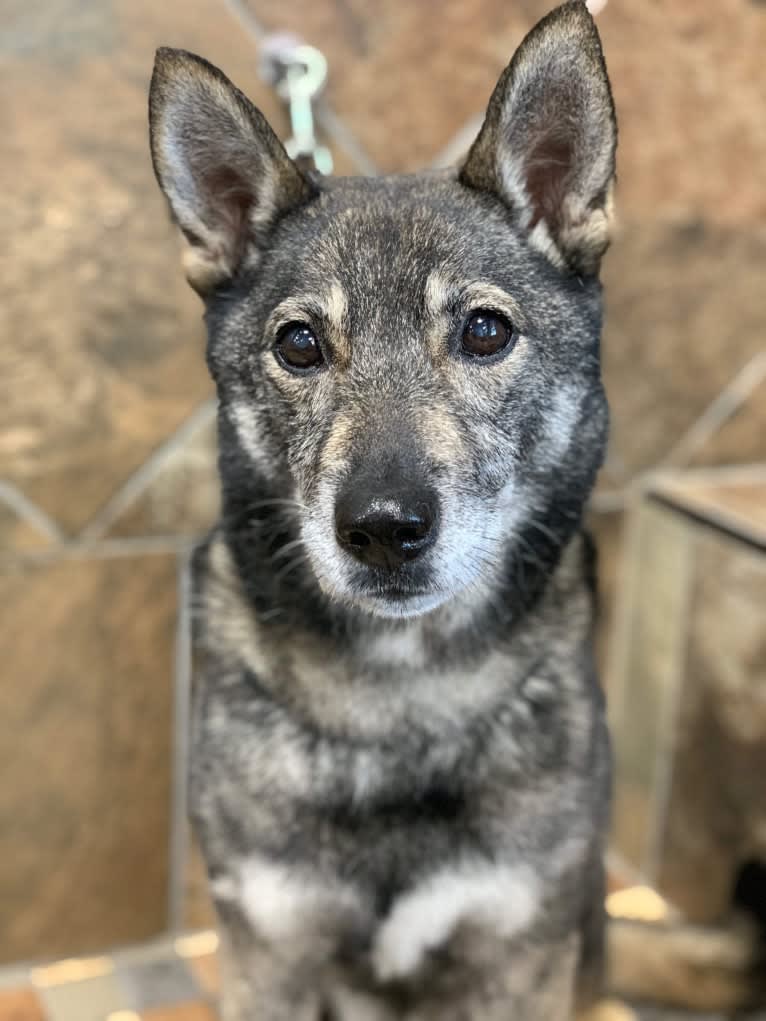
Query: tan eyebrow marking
[[296, 308], [329, 311], [438, 293], [336, 305], [442, 293], [485, 295]]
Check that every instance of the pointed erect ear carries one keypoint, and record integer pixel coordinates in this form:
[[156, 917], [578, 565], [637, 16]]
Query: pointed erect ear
[[223, 170], [547, 145]]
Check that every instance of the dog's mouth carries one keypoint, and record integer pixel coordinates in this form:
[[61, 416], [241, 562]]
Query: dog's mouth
[[398, 603], [393, 583], [405, 592]]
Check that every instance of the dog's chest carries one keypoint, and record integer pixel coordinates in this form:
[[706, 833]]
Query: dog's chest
[[372, 812], [376, 755], [284, 904]]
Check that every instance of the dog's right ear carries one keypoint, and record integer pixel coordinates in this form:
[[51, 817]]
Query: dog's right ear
[[223, 170], [547, 146]]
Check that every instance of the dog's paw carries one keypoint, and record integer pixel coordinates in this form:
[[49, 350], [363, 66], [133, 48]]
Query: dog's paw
[[397, 954], [501, 899]]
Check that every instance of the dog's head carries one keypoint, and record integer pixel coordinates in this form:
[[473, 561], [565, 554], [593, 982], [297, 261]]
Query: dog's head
[[407, 367]]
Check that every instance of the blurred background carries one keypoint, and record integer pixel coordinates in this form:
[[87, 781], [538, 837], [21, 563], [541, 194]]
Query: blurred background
[[107, 453]]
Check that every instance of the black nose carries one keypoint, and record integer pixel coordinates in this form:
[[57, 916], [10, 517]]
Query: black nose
[[387, 530]]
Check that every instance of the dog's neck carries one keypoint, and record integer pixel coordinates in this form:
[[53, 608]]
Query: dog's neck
[[341, 670]]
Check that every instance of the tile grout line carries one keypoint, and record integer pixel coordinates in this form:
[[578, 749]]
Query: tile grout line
[[748, 473], [29, 511], [720, 410], [331, 123], [103, 549], [179, 831], [81, 967], [459, 144], [132, 488]]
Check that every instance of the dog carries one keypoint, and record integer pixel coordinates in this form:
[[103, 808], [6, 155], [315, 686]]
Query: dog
[[400, 766]]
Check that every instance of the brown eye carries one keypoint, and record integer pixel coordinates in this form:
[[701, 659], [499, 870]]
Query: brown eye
[[486, 333], [297, 348]]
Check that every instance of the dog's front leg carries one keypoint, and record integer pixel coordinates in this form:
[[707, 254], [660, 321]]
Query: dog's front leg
[[470, 942], [261, 981], [280, 930], [493, 981]]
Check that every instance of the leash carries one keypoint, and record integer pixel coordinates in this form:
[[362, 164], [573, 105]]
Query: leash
[[297, 73]]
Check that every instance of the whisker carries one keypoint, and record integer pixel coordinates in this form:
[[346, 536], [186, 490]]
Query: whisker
[[284, 571], [276, 501], [544, 530], [271, 614], [284, 550]]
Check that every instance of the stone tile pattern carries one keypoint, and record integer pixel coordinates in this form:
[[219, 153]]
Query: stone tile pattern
[[85, 752], [181, 498], [106, 359], [182, 1012], [75, 1001], [91, 999], [157, 982], [18, 533], [106, 364], [161, 987]]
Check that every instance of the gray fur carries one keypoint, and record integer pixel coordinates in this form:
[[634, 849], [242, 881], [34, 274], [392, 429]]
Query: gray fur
[[400, 780]]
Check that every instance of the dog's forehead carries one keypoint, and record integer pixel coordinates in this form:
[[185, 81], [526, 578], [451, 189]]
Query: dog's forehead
[[387, 237], [398, 256]]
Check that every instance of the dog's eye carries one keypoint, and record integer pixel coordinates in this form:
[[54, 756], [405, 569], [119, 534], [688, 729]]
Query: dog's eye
[[297, 348], [486, 333]]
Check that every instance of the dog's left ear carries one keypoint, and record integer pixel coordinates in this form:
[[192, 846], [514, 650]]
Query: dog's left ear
[[547, 146], [224, 172]]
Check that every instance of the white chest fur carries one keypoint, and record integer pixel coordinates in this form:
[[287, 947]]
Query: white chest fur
[[289, 906]]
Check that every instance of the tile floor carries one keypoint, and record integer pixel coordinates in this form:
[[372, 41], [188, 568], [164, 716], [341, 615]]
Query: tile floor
[[173, 981]]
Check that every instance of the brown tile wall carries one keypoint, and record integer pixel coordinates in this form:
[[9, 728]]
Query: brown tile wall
[[107, 440], [85, 751]]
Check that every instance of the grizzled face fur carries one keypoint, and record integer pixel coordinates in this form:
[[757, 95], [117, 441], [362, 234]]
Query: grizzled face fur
[[407, 367]]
